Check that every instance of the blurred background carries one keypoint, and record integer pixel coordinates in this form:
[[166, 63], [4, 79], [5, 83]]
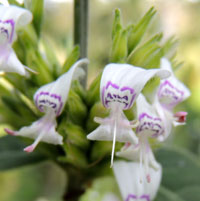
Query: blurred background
[[181, 18]]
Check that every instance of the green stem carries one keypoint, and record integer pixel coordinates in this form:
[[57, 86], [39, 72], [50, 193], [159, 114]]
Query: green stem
[[81, 29]]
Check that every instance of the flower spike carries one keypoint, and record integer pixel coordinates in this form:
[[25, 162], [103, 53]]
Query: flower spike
[[119, 88], [50, 99], [12, 18]]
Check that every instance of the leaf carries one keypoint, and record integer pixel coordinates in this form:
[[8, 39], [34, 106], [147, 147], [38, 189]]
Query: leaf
[[12, 155], [180, 168], [190, 193], [167, 195]]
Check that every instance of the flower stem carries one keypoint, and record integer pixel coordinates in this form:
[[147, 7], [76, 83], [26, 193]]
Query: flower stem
[[81, 30]]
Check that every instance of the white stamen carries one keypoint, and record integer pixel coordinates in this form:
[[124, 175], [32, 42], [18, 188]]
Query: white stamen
[[114, 141]]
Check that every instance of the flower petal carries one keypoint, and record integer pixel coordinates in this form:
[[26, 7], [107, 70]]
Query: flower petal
[[132, 153], [105, 131], [150, 124], [167, 119], [54, 95], [128, 178], [171, 90], [110, 197], [21, 16], [122, 83], [41, 130]]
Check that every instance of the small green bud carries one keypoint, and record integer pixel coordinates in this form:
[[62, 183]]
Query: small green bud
[[93, 92], [76, 135], [77, 111], [74, 156], [97, 110], [71, 59]]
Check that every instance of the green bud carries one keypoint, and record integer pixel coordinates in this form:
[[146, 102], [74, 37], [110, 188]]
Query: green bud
[[35, 61], [73, 156], [139, 56], [93, 92], [78, 88], [77, 111], [151, 85], [76, 135], [71, 59], [97, 110], [102, 149], [130, 113], [139, 30]]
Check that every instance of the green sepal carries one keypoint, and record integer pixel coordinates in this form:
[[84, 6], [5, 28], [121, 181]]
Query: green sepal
[[119, 47], [77, 110], [116, 23], [78, 88], [71, 59], [93, 91], [37, 11], [74, 156], [97, 110], [140, 55], [139, 30], [75, 135], [150, 86]]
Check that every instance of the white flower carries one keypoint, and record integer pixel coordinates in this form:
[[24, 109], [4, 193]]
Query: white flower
[[12, 18], [170, 93], [128, 178], [50, 99], [150, 125], [120, 85]]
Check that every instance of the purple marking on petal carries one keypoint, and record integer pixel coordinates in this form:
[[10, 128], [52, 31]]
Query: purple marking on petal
[[167, 89], [131, 196], [127, 88], [151, 123], [146, 197], [118, 95], [112, 84], [4, 30], [49, 101]]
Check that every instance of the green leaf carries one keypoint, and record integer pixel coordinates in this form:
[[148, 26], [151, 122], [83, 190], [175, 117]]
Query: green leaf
[[167, 195], [37, 10], [190, 193], [12, 154], [180, 168], [139, 30]]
